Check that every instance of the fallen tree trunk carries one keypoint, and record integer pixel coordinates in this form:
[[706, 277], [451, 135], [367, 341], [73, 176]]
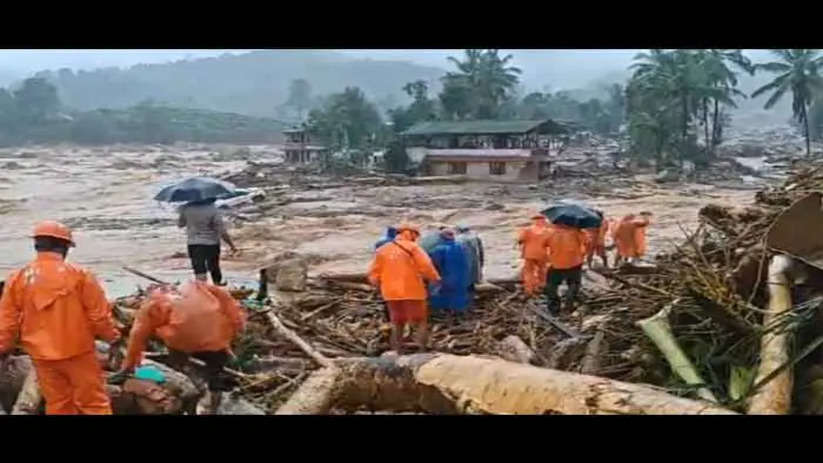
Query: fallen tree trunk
[[450, 384], [314, 396], [775, 396]]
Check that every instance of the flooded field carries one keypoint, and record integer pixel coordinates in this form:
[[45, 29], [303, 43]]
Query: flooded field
[[105, 194]]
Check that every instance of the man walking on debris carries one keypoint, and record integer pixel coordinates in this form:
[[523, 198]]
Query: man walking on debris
[[629, 235], [204, 229], [567, 249], [474, 248], [398, 269], [451, 260], [57, 309], [200, 321], [597, 240], [533, 242]]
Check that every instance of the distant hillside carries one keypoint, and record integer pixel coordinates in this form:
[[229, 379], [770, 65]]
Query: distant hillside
[[253, 83]]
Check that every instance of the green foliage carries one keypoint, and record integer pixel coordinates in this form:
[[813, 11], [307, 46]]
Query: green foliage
[[672, 93], [421, 109], [798, 72], [483, 81], [346, 120], [36, 99], [93, 128]]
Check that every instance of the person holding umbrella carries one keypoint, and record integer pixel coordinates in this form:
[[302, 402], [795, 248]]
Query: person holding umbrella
[[203, 223], [568, 245]]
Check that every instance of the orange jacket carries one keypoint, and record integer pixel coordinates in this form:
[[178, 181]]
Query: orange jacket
[[200, 317], [399, 267], [534, 240], [567, 247], [56, 308], [597, 236], [629, 235]]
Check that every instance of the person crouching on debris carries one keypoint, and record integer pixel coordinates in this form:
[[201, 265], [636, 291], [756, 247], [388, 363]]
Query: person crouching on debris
[[391, 233], [200, 321], [533, 249], [567, 249], [474, 247], [451, 260], [204, 229], [629, 235], [57, 309], [597, 241], [398, 270]]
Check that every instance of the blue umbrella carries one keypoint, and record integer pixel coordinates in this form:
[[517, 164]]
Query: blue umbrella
[[573, 215], [196, 189]]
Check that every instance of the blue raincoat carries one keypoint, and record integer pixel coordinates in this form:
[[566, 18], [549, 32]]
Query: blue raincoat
[[451, 260], [391, 233]]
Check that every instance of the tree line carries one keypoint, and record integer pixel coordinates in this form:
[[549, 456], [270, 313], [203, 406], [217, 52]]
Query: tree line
[[34, 113], [678, 101]]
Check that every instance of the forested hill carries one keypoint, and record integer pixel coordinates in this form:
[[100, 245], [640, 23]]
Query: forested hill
[[255, 83]]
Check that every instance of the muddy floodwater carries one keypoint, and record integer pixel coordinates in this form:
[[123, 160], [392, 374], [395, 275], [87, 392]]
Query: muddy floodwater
[[105, 194]]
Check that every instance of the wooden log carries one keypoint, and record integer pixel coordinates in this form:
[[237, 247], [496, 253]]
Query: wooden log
[[513, 349], [349, 277], [443, 383], [303, 345], [594, 352], [775, 396], [29, 399], [314, 396]]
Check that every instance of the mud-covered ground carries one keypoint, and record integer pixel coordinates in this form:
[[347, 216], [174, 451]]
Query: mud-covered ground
[[105, 193]]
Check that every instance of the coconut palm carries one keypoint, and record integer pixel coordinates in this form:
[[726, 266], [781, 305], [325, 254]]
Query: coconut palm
[[483, 81], [798, 69]]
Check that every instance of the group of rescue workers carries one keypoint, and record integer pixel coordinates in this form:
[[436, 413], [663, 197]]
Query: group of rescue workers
[[55, 309], [441, 269]]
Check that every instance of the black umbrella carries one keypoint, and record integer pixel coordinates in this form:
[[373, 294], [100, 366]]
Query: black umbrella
[[195, 189], [573, 215]]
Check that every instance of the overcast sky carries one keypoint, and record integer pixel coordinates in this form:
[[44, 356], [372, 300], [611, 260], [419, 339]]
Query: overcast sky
[[555, 68]]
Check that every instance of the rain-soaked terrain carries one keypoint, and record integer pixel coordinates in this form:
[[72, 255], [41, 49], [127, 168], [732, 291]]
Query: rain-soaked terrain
[[105, 194]]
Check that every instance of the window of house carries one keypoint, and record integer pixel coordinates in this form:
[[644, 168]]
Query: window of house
[[497, 168], [457, 168]]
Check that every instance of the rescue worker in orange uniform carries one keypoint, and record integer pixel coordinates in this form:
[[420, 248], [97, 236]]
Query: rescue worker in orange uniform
[[597, 241], [567, 249], [533, 242], [57, 309], [200, 321], [629, 235], [398, 269]]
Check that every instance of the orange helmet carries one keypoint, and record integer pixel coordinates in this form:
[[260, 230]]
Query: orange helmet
[[54, 230]]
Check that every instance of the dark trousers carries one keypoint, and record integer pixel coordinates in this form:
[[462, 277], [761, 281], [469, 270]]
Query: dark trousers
[[573, 277], [206, 258], [213, 371]]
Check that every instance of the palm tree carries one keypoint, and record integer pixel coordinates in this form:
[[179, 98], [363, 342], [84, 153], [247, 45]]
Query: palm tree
[[687, 78], [489, 77], [715, 64], [798, 69]]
